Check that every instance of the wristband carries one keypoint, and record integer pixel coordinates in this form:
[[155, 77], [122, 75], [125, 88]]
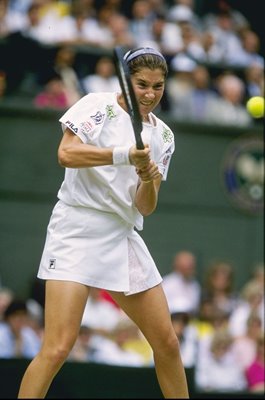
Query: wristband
[[120, 155]]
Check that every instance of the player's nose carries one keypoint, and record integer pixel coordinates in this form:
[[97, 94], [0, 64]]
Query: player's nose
[[150, 94]]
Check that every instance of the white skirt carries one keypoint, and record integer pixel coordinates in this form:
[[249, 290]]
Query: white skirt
[[96, 249]]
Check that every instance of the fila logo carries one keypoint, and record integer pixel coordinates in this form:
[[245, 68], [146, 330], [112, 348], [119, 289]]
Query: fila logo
[[71, 126], [52, 263]]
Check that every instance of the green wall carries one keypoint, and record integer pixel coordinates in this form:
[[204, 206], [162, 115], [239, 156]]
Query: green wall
[[194, 212]]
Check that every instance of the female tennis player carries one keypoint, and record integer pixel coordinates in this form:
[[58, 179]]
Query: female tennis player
[[92, 239]]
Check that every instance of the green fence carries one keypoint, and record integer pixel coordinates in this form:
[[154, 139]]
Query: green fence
[[99, 381]]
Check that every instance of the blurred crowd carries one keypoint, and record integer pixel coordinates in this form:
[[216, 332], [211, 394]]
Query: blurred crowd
[[58, 51], [220, 328]]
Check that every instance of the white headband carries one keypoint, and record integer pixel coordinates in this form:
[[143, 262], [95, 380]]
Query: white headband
[[145, 50]]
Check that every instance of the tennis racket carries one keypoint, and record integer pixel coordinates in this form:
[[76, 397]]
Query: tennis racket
[[129, 95]]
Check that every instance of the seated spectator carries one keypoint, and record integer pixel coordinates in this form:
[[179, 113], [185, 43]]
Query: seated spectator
[[104, 79], [218, 287], [254, 80], [255, 373], [141, 22], [120, 33], [199, 100], [166, 36], [219, 371], [249, 54], [229, 108], [53, 95], [6, 296], [11, 21], [17, 338], [251, 301], [181, 286], [64, 66], [124, 345], [188, 337], [81, 349], [179, 83], [244, 347], [99, 314]]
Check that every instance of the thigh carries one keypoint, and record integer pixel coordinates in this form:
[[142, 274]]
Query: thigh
[[149, 310], [64, 306]]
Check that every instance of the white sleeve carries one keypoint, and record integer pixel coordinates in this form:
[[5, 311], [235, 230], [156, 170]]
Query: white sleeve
[[85, 117], [167, 152]]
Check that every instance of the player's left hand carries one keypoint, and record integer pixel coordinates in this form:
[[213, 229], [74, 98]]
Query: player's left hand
[[148, 173]]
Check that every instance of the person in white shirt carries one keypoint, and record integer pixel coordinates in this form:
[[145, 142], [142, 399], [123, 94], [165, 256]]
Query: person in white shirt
[[108, 189], [182, 288]]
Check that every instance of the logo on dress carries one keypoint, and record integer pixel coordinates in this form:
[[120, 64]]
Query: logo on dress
[[86, 127], [243, 173], [110, 112], [98, 117], [71, 126], [52, 263], [167, 135]]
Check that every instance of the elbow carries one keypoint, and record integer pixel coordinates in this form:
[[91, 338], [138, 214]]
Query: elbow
[[63, 158], [147, 211]]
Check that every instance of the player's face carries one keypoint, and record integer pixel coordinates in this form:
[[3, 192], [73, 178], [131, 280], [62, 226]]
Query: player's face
[[149, 88]]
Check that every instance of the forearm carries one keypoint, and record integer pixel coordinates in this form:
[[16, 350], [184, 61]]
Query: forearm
[[147, 196], [73, 153], [84, 156]]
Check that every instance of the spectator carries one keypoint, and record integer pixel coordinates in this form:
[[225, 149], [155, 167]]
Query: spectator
[[53, 95], [180, 84], [244, 347], [17, 338], [104, 78], [81, 349], [249, 53], [219, 371], [6, 296], [141, 23], [99, 314], [251, 301], [64, 66], [255, 373], [11, 21], [254, 80], [166, 35], [181, 286], [225, 35], [219, 288], [229, 108], [120, 33], [188, 338], [199, 100]]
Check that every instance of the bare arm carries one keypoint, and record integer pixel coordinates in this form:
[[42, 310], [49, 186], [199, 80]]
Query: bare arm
[[73, 153], [147, 192]]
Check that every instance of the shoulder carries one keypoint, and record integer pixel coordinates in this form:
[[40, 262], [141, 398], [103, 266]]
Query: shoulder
[[164, 130], [98, 98]]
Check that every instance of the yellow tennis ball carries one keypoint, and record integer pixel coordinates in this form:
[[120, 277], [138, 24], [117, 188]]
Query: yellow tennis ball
[[255, 106]]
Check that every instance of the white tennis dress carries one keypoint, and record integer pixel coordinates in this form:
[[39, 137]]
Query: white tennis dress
[[91, 236]]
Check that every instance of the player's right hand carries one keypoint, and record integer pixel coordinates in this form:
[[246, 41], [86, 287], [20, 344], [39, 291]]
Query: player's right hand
[[140, 158]]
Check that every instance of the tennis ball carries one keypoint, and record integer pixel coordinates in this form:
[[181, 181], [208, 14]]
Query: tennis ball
[[255, 106]]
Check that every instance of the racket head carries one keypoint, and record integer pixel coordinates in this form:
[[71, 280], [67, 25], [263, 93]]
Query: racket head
[[129, 95]]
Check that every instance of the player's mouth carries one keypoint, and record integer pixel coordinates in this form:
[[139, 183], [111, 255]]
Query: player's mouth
[[148, 105]]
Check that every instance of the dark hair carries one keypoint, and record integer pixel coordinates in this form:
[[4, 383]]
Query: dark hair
[[149, 58], [16, 306]]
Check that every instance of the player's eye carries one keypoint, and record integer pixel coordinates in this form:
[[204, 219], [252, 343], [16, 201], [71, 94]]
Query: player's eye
[[159, 87]]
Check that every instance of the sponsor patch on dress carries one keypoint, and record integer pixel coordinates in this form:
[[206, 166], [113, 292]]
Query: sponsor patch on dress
[[98, 118], [52, 263]]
